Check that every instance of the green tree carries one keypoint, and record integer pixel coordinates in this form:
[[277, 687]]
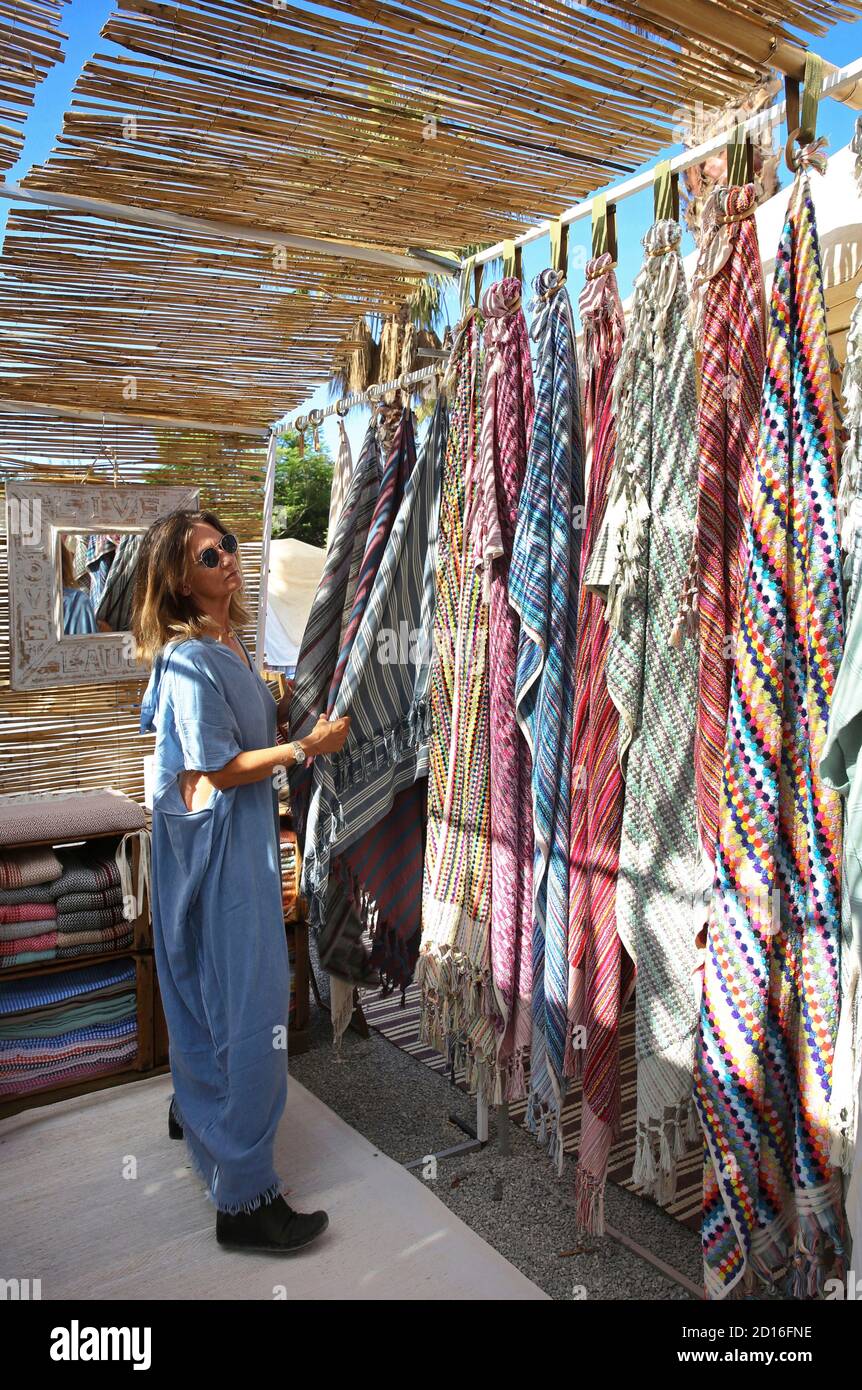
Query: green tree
[[303, 485]]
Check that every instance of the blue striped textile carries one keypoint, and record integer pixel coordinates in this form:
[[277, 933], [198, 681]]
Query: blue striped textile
[[385, 669], [66, 984], [543, 590]]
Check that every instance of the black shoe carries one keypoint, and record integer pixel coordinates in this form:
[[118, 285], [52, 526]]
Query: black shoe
[[175, 1129], [273, 1227]]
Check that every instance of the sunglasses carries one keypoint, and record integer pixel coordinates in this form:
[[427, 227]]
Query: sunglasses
[[210, 556]]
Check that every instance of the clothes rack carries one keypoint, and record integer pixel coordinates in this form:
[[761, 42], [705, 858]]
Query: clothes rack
[[300, 423], [833, 82]]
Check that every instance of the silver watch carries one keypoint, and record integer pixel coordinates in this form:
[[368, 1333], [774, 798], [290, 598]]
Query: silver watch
[[298, 753]]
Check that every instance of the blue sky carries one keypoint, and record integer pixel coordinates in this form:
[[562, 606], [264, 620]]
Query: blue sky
[[83, 20]]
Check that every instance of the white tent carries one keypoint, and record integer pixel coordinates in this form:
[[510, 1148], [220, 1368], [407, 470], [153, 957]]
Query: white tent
[[294, 574]]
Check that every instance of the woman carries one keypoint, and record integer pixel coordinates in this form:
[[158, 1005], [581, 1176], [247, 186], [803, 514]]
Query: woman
[[218, 923]]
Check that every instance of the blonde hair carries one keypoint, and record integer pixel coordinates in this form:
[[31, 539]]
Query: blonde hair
[[161, 612]]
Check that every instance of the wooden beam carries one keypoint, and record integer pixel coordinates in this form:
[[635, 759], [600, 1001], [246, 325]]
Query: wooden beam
[[747, 36]]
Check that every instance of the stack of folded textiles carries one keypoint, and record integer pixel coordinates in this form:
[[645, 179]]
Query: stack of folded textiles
[[74, 908], [67, 1026]]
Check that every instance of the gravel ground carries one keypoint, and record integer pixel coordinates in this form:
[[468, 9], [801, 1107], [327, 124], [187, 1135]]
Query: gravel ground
[[517, 1203]]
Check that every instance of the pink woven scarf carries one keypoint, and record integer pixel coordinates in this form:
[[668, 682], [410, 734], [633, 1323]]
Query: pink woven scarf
[[507, 418], [729, 285], [601, 972]]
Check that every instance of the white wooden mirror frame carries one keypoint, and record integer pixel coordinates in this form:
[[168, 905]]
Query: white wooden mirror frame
[[37, 514]]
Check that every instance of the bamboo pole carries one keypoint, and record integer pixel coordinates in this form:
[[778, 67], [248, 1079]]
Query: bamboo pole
[[422, 264], [124, 417], [747, 36]]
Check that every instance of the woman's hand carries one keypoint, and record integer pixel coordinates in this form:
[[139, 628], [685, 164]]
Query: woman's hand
[[327, 736], [195, 790]]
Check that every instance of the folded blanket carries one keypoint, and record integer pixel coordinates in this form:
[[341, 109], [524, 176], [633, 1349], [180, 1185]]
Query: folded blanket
[[66, 815], [28, 912], [35, 1053], [14, 931], [97, 1064], [63, 1018], [20, 869], [70, 946], [26, 958], [94, 920], [38, 893], [66, 984], [93, 873], [45, 942], [81, 902]]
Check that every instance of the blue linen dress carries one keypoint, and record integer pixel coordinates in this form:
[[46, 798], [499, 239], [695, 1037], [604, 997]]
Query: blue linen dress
[[218, 922], [79, 616]]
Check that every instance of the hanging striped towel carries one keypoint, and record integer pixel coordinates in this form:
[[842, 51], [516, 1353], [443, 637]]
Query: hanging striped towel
[[543, 590], [364, 823], [730, 279], [507, 418], [321, 640], [601, 973], [649, 526], [460, 1014], [769, 1013], [341, 474]]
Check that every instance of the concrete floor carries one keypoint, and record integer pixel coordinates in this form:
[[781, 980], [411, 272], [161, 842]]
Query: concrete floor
[[517, 1204]]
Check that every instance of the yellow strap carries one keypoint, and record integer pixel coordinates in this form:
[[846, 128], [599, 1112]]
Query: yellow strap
[[559, 245], [467, 273], [508, 258], [600, 224], [740, 158], [665, 193], [811, 91]]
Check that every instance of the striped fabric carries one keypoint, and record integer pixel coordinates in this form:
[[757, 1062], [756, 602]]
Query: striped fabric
[[507, 419], [321, 640], [31, 1053], [23, 868], [732, 365], [400, 464], [20, 995], [115, 603], [382, 681], [649, 527], [543, 589], [340, 482], [460, 1015], [600, 971], [769, 1013], [45, 941]]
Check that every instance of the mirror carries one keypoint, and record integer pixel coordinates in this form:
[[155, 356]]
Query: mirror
[[73, 554], [97, 575]]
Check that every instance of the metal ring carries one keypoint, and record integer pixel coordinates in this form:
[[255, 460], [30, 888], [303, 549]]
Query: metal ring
[[315, 418], [341, 408], [300, 423]]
